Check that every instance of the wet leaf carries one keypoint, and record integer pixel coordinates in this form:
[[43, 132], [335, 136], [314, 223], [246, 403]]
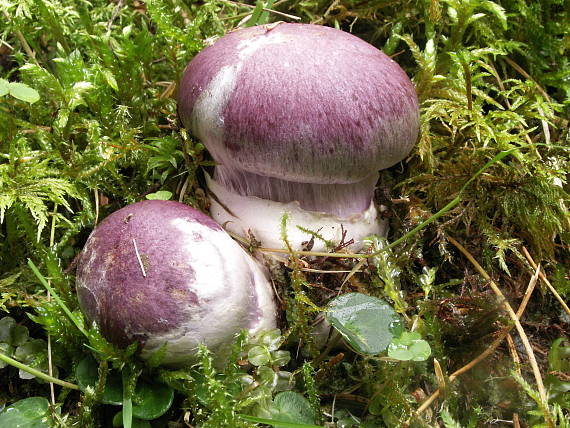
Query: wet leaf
[[27, 413], [24, 92], [290, 406], [151, 400], [367, 323], [409, 346], [162, 195]]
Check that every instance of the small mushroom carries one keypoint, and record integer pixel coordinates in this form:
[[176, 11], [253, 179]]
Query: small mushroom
[[164, 274], [299, 119]]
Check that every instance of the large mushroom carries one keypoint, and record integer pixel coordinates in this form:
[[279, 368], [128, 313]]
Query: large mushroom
[[299, 119], [163, 274]]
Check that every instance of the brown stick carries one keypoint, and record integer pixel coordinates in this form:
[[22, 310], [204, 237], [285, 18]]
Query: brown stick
[[494, 344], [518, 326], [546, 281], [514, 354]]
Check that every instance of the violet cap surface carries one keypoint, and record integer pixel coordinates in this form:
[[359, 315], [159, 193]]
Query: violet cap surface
[[162, 273]]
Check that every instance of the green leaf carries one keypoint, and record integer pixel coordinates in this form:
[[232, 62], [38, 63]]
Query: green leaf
[[151, 400], [27, 413], [161, 195], [259, 5], [23, 92], [259, 356], [110, 78], [33, 353], [367, 323], [496, 10], [5, 349], [264, 17], [409, 346], [290, 406], [277, 424], [280, 358], [127, 400], [271, 339], [448, 420], [4, 87], [20, 335], [12, 333], [87, 375], [559, 356], [7, 325]]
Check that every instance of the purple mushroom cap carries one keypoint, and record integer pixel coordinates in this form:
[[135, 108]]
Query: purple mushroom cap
[[292, 111], [162, 273]]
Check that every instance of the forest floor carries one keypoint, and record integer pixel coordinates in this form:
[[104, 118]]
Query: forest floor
[[476, 265]]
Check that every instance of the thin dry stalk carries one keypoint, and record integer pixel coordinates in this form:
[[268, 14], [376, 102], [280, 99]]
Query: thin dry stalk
[[439, 375], [516, 422], [276, 12], [313, 253], [139, 258], [184, 188], [426, 404], [514, 354], [50, 363], [96, 192], [523, 73], [546, 281], [518, 326], [23, 42], [464, 369], [49, 350], [530, 288]]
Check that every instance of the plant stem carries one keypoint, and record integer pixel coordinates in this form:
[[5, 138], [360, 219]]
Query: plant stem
[[37, 373], [547, 282], [57, 298]]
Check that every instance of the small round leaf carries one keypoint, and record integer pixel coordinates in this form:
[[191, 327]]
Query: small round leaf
[[4, 87], [7, 325], [27, 413], [409, 346], [259, 356], [367, 323], [151, 400], [87, 375], [162, 195], [24, 92], [290, 406]]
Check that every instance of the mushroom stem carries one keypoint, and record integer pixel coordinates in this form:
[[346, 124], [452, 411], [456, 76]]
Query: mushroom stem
[[340, 199], [244, 215]]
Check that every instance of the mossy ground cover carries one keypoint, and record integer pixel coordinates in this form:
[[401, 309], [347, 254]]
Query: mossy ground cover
[[88, 124]]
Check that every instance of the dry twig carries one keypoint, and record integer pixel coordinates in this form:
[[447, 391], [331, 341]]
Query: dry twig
[[496, 342], [518, 326], [547, 282]]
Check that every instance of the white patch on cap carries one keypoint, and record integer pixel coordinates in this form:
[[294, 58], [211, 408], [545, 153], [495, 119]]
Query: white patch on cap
[[207, 114], [248, 47]]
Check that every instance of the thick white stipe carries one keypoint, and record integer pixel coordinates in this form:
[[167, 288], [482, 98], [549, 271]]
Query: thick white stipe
[[262, 217]]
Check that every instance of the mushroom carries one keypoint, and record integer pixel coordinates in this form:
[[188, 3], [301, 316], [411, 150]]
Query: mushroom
[[299, 119], [164, 274]]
